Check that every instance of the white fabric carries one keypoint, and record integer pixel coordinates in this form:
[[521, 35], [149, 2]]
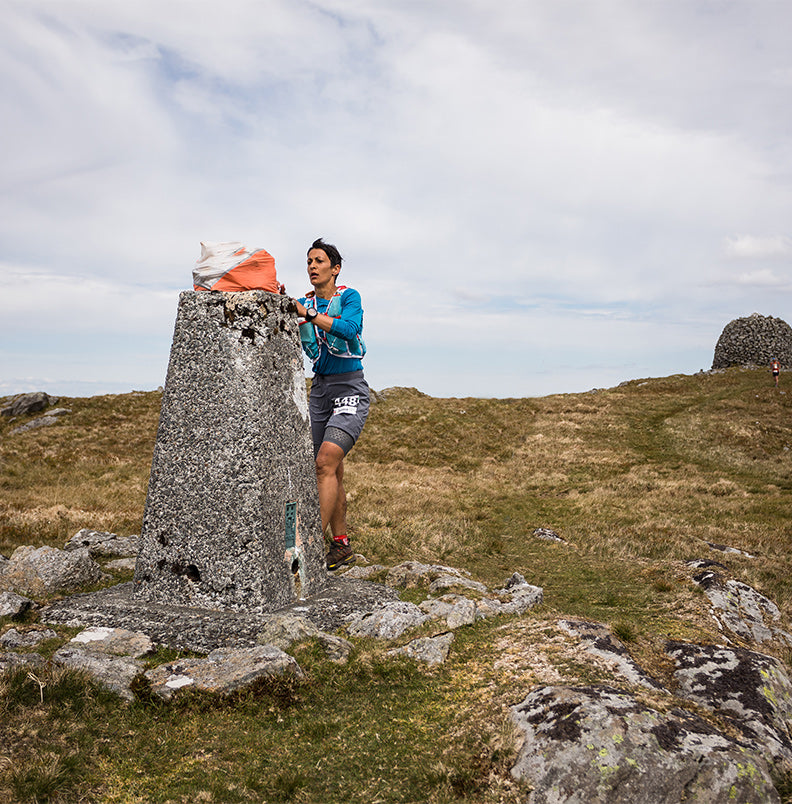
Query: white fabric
[[217, 259]]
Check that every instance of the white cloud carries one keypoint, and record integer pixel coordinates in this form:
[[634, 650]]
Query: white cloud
[[759, 248], [83, 303], [764, 278]]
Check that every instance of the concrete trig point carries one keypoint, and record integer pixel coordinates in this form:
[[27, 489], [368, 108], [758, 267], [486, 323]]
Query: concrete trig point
[[232, 514]]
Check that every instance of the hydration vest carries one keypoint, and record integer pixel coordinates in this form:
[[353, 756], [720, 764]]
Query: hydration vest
[[311, 337]]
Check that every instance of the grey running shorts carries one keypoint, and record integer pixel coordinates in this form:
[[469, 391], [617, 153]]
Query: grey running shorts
[[339, 405]]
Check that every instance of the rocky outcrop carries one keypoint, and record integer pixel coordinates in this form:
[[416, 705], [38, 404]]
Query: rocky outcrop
[[749, 689], [598, 641], [754, 341], [23, 404], [599, 745], [742, 610]]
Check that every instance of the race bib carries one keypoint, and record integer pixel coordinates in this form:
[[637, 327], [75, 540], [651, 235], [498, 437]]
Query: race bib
[[346, 404]]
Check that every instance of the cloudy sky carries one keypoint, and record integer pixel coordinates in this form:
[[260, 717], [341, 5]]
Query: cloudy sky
[[532, 196]]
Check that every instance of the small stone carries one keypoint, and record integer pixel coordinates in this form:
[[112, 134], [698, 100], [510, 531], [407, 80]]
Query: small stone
[[9, 661], [14, 639], [389, 621], [11, 604], [114, 641], [223, 671], [451, 581], [547, 534], [102, 543], [116, 673], [430, 650]]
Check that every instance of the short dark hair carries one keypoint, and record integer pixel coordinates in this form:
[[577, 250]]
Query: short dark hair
[[331, 251]]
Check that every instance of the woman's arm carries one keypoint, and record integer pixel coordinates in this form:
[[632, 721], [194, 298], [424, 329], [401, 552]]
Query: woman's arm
[[350, 322]]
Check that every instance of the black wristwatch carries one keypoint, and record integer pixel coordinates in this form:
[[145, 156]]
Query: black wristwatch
[[311, 313]]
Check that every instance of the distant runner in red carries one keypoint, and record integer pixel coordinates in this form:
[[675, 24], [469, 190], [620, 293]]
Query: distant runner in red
[[775, 367], [331, 334]]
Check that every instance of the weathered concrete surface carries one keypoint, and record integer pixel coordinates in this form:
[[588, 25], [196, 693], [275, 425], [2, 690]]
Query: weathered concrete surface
[[203, 630], [232, 514]]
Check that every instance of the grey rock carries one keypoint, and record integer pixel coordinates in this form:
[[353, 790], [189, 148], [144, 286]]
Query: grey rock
[[547, 534], [430, 650], [43, 571], [116, 673], [232, 514], [596, 745], [11, 604], [336, 648], [437, 608], [121, 564], [488, 607], [754, 341], [362, 573], [515, 580], [742, 610], [724, 548], [463, 612], [751, 689], [113, 641], [23, 404], [223, 671], [452, 581], [412, 574], [100, 543], [283, 630], [10, 661], [598, 641], [520, 598], [455, 610], [34, 424], [14, 639], [389, 621], [705, 563]]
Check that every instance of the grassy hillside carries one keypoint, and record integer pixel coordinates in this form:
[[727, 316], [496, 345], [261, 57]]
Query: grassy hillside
[[637, 480]]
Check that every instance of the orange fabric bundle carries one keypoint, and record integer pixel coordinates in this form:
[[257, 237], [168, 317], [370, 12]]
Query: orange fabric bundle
[[232, 267]]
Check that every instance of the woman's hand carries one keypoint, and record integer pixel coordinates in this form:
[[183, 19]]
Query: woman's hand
[[301, 308]]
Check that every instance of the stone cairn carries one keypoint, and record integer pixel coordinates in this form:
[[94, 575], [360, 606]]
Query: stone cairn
[[754, 341]]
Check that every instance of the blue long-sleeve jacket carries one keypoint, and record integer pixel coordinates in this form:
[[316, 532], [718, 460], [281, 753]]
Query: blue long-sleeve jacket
[[347, 326]]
